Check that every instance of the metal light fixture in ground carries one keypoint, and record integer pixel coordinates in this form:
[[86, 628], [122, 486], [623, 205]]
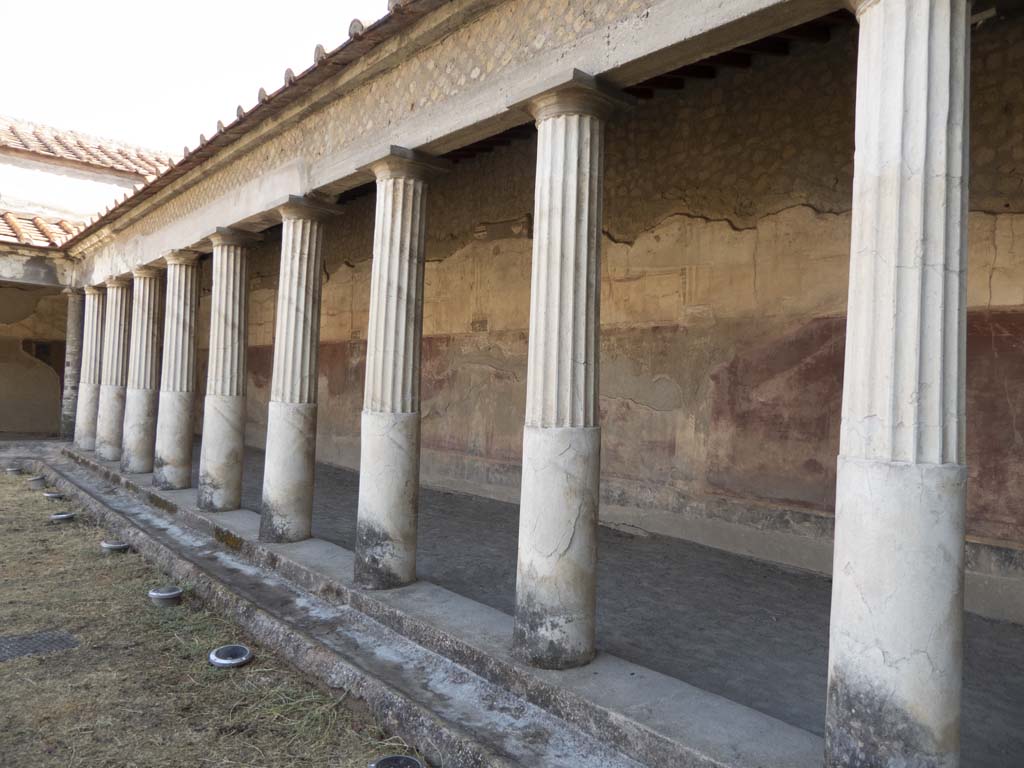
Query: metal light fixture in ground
[[13, 470], [62, 517], [228, 656], [114, 547], [165, 596], [37, 482], [396, 761], [53, 495]]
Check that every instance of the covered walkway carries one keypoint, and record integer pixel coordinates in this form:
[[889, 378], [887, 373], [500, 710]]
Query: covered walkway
[[753, 632]]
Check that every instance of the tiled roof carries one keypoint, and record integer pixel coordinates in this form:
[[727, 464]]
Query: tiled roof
[[78, 147], [25, 229], [363, 38]]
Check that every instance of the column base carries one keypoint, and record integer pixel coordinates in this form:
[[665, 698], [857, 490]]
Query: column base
[[287, 513], [556, 570], [110, 422], [222, 453], [172, 458], [896, 636], [85, 420], [389, 486], [138, 442]]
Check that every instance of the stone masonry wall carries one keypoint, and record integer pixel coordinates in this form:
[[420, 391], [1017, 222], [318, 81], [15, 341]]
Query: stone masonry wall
[[724, 284]]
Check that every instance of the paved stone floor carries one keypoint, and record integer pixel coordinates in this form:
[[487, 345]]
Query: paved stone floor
[[752, 632]]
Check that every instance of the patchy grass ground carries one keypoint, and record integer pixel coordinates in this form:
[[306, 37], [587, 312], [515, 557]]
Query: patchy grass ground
[[138, 690]]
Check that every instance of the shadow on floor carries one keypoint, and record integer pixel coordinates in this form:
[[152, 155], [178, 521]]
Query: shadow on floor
[[753, 632]]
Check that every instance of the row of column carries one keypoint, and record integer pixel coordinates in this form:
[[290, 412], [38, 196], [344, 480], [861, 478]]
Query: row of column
[[896, 630]]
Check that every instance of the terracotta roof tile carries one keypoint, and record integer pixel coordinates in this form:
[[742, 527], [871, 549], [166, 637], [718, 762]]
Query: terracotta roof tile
[[71, 145], [27, 229]]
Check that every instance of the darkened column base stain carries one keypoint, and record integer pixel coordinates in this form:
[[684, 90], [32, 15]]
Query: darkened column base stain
[[271, 533], [863, 729], [374, 550], [533, 638]]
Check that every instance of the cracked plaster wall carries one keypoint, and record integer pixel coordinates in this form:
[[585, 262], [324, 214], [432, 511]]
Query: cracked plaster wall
[[724, 282]]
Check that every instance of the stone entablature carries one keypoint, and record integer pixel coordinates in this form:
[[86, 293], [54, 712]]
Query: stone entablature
[[435, 98]]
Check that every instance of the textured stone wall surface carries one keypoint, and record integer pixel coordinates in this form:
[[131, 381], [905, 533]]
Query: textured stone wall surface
[[723, 293]]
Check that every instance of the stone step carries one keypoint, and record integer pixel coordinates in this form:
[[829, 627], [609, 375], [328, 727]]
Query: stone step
[[455, 717], [653, 718]]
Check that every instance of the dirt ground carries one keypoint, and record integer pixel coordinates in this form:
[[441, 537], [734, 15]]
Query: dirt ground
[[138, 691]]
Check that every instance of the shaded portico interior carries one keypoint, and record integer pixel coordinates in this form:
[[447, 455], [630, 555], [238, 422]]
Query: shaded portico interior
[[753, 632]]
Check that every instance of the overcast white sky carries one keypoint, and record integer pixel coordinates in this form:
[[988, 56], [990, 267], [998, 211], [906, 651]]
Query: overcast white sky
[[157, 73]]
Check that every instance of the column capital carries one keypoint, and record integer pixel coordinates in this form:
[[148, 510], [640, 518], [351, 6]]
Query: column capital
[[579, 94], [184, 256], [72, 291], [857, 7], [144, 270], [117, 281], [94, 290], [306, 208], [229, 236], [402, 163]]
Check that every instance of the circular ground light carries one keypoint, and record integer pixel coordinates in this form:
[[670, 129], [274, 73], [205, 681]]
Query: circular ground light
[[228, 656], [53, 495], [397, 761], [164, 596], [62, 517], [110, 547], [37, 483], [13, 470]]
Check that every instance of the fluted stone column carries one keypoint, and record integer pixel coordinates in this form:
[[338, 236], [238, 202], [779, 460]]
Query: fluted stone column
[[223, 448], [72, 360], [110, 421], [172, 461], [389, 467], [140, 405], [287, 513], [92, 362], [555, 581], [896, 637]]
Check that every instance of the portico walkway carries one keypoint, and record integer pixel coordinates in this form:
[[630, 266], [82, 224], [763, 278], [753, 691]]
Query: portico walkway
[[752, 632]]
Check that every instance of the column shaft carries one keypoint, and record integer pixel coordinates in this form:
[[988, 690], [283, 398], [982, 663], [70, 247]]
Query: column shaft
[[895, 652], [389, 466], [72, 361], [223, 448], [287, 513], [110, 421], [555, 582], [172, 460], [92, 357], [140, 409]]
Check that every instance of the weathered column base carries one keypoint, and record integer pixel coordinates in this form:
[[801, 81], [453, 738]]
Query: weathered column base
[[110, 422], [172, 459], [556, 576], [389, 488], [139, 438], [895, 650], [287, 513], [88, 410], [220, 460]]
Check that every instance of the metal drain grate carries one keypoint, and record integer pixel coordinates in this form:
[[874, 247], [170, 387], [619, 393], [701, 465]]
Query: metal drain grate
[[35, 644]]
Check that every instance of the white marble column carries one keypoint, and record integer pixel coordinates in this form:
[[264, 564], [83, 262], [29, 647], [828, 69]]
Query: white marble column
[[172, 460], [140, 403], [287, 513], [223, 447], [896, 637], [389, 468], [72, 360], [110, 420], [92, 362], [555, 580]]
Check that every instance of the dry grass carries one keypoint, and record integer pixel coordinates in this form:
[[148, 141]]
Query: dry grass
[[138, 690]]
